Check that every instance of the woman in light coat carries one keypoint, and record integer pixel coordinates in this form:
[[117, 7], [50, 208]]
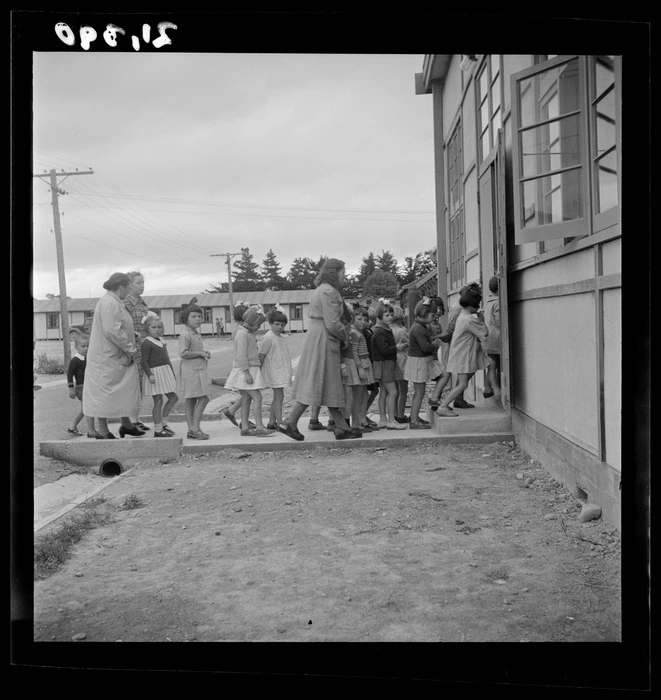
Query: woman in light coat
[[111, 386], [318, 379]]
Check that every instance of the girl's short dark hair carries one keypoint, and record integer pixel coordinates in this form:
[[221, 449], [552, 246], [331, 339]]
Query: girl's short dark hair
[[493, 285], [239, 311], [381, 308], [276, 315], [187, 310], [421, 309], [470, 298], [359, 310], [347, 314]]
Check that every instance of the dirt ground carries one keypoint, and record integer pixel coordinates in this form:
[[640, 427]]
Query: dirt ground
[[461, 543]]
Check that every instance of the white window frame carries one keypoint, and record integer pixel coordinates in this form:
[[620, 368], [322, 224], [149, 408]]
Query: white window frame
[[456, 244], [487, 68], [567, 229]]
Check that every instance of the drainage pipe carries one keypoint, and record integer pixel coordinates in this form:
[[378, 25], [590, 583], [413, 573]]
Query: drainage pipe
[[111, 467]]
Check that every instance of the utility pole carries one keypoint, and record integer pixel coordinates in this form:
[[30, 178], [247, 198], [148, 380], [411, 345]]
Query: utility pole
[[229, 256], [64, 311]]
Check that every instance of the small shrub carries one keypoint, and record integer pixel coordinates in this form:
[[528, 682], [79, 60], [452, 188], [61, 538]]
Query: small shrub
[[48, 365], [131, 503]]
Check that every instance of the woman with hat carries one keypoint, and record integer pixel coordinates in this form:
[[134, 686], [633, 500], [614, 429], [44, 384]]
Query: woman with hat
[[111, 380]]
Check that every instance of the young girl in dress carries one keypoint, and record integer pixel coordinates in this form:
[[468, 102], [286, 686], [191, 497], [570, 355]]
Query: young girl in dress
[[364, 375], [421, 364], [158, 376], [384, 362], [466, 355], [76, 371], [401, 336], [276, 365], [230, 412], [192, 375], [348, 369], [246, 375]]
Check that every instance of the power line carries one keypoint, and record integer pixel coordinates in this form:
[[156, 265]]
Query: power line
[[266, 206]]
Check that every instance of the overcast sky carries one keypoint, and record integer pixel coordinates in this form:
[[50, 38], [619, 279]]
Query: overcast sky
[[195, 154]]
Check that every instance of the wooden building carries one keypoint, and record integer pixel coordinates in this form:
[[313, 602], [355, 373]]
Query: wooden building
[[528, 188], [214, 306]]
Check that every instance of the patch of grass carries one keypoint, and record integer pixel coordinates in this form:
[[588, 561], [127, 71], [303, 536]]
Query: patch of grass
[[54, 548], [49, 365], [132, 502]]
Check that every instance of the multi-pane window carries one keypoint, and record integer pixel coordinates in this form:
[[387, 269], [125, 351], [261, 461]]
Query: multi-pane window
[[456, 208], [489, 104], [177, 316], [565, 150], [52, 320], [296, 312], [207, 314], [604, 134]]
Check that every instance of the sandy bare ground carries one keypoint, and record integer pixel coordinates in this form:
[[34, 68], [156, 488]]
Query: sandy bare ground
[[463, 543]]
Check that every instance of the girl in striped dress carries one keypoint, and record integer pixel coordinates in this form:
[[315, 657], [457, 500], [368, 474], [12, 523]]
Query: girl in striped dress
[[158, 376]]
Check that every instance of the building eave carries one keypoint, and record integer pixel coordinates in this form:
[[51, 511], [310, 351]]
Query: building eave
[[434, 67]]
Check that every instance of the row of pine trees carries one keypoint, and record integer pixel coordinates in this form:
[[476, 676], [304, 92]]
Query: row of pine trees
[[378, 275]]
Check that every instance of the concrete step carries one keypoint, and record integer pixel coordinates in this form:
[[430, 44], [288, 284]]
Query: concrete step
[[487, 417]]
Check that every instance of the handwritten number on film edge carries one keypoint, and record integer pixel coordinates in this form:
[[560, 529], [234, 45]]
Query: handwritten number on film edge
[[88, 35]]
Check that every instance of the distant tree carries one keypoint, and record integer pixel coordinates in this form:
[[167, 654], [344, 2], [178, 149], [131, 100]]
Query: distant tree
[[221, 287], [415, 267], [351, 288], [246, 277], [380, 284], [271, 272], [302, 273], [367, 267], [316, 266], [386, 262]]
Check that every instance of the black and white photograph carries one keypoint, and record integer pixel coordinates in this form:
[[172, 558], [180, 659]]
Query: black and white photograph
[[328, 346]]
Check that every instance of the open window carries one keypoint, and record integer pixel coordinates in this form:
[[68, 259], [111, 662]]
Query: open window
[[565, 157]]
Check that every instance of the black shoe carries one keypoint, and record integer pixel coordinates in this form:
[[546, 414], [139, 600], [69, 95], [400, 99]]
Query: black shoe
[[460, 403], [129, 431], [345, 434], [293, 433], [140, 426], [272, 426], [107, 436], [331, 426], [316, 425], [225, 412], [162, 433]]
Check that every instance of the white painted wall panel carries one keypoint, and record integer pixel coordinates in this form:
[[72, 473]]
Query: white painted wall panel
[[451, 95], [554, 366], [471, 213], [468, 125], [569, 268], [512, 64], [612, 305], [39, 326], [612, 257], [473, 270]]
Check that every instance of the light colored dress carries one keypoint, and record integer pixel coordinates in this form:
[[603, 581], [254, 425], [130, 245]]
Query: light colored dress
[[361, 358], [401, 336], [246, 357], [466, 354], [491, 344], [192, 373], [111, 386], [154, 354], [277, 368], [318, 380]]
